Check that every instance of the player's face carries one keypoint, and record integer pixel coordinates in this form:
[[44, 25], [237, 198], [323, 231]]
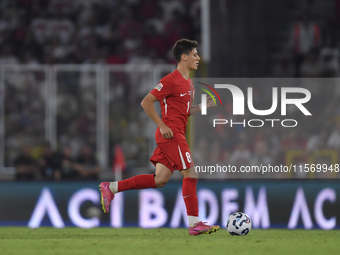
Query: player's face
[[193, 59]]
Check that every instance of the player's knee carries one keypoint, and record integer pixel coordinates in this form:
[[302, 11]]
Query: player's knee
[[194, 174], [161, 183]]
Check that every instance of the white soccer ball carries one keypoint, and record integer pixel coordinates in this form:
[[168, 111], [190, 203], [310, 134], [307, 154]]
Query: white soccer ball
[[239, 224]]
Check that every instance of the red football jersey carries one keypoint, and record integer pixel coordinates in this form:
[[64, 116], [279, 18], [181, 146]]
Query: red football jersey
[[175, 95]]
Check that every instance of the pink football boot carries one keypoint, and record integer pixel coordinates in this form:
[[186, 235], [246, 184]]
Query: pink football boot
[[202, 228], [106, 196]]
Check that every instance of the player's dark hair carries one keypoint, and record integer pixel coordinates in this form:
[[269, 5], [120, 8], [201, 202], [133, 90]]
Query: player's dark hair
[[183, 46]]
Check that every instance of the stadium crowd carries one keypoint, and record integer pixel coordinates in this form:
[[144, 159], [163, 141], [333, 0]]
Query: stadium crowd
[[142, 32], [84, 32], [314, 139], [94, 31], [56, 166], [309, 46]]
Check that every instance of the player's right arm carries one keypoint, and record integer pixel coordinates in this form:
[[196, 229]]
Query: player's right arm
[[147, 104]]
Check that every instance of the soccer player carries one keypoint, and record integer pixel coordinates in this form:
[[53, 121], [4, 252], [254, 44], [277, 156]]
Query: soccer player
[[175, 92]]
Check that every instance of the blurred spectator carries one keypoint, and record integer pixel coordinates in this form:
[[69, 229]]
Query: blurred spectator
[[61, 27], [200, 151], [305, 36], [57, 50], [70, 170], [329, 57], [293, 140], [20, 32], [87, 166], [155, 58], [6, 56], [39, 26], [147, 9], [87, 34], [85, 10], [195, 14], [132, 42], [118, 57], [283, 67], [61, 6], [94, 57], [139, 57], [176, 28], [129, 25], [317, 142], [171, 6], [334, 138], [5, 23], [261, 154], [12, 13], [26, 167], [29, 59], [311, 67], [241, 155], [50, 163], [153, 40], [157, 21]]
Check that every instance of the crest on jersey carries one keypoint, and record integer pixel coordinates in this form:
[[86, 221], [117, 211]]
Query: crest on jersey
[[159, 86]]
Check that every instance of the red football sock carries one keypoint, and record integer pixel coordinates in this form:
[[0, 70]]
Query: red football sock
[[142, 181], [189, 196]]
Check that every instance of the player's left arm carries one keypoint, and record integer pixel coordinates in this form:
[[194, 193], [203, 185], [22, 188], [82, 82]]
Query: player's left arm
[[196, 108]]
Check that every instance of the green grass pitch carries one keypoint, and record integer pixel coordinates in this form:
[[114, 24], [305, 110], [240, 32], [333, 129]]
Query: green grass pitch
[[20, 240]]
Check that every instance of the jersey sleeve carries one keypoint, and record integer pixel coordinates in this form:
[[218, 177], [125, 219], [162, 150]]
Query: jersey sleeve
[[164, 88]]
